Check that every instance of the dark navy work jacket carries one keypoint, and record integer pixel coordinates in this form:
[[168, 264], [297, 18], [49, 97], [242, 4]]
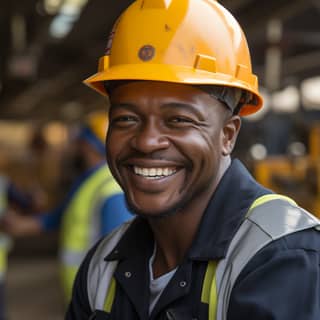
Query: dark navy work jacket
[[281, 282]]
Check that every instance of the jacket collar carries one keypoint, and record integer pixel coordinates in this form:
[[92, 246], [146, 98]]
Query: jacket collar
[[225, 212]]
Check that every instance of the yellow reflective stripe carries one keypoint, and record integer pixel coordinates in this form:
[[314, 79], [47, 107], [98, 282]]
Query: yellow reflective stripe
[[67, 276], [209, 289], [266, 198], [3, 202], [3, 260], [110, 296], [213, 299], [210, 274]]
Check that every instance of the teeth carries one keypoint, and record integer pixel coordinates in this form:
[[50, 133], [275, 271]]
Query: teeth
[[154, 172]]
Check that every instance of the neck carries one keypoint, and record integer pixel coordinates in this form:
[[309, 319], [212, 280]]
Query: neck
[[174, 234]]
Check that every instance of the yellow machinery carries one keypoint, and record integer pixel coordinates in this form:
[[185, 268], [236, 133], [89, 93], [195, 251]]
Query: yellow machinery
[[296, 177]]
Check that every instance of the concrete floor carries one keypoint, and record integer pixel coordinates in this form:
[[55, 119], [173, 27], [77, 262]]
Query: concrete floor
[[32, 288]]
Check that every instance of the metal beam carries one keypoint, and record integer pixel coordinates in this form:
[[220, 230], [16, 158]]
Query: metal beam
[[234, 6], [301, 63], [257, 15]]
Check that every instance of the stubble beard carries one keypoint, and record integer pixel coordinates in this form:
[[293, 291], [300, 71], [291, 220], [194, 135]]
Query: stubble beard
[[168, 212]]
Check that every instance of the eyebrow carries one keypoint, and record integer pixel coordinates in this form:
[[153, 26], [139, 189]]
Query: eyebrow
[[170, 105], [130, 106], [184, 106]]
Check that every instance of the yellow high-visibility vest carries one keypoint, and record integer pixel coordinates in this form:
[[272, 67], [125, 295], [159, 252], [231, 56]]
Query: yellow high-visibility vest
[[4, 240], [81, 222]]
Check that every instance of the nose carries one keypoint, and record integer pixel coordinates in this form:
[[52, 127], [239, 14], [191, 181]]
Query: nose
[[149, 138]]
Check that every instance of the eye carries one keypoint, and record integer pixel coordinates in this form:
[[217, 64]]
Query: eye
[[123, 120], [180, 120]]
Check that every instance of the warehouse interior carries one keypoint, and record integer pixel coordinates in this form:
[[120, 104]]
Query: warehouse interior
[[49, 46]]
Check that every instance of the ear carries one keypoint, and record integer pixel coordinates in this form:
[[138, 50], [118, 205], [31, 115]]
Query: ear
[[230, 132]]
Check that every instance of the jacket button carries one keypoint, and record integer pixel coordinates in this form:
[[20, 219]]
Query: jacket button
[[128, 274], [170, 315], [182, 284]]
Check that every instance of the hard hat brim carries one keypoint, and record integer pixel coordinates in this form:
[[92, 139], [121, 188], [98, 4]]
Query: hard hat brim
[[176, 74]]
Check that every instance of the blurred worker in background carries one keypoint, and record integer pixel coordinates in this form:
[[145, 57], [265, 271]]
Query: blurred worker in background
[[11, 199], [92, 208], [208, 241]]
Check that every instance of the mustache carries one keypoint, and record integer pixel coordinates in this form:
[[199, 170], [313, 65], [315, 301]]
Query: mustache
[[158, 156]]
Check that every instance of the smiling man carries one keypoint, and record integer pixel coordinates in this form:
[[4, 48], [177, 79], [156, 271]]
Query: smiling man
[[167, 145], [208, 242]]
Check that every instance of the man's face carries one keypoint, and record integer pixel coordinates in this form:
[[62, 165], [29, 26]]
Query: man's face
[[165, 145]]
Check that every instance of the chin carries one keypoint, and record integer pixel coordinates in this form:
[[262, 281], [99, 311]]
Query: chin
[[152, 213]]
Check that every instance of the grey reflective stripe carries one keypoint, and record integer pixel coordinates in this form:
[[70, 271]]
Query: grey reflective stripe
[[71, 258], [265, 223], [100, 272], [3, 194], [5, 241]]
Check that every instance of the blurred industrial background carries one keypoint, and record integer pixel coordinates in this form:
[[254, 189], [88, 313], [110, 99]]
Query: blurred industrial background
[[47, 47]]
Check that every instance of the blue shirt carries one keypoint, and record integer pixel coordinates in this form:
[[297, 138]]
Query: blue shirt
[[18, 198]]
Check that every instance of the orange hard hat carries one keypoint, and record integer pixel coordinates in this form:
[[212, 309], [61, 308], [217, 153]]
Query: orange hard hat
[[94, 130], [194, 42], [98, 122]]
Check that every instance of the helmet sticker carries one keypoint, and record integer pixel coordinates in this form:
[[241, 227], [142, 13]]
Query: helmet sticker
[[146, 52], [110, 38]]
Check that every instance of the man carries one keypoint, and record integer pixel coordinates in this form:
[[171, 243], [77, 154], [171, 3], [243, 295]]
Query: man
[[92, 208], [208, 242]]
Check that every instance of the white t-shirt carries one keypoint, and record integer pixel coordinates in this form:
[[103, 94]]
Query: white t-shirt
[[157, 285]]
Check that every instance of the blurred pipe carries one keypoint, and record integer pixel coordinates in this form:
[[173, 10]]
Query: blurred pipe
[[302, 62], [259, 13], [18, 33], [316, 4], [235, 5], [273, 55]]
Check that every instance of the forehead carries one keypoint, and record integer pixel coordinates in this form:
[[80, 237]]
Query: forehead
[[161, 92], [161, 88]]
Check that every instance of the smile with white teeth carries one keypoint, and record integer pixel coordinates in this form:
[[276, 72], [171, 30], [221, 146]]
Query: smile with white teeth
[[154, 173]]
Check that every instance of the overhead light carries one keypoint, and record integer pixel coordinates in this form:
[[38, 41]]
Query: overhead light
[[52, 6], [297, 149], [311, 93], [286, 100], [62, 25], [64, 21], [258, 151]]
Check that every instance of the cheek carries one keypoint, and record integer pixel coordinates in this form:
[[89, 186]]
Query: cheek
[[209, 152], [200, 145], [115, 141]]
